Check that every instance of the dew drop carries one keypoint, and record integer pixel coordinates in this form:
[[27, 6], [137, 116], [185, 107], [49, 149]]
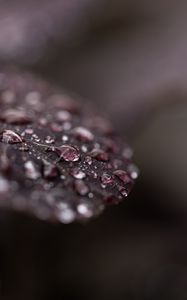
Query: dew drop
[[88, 160], [31, 170], [85, 210], [99, 155], [10, 137], [68, 153], [106, 178], [81, 188], [63, 116], [133, 171], [83, 134], [77, 173], [49, 170], [123, 176], [64, 213], [49, 140]]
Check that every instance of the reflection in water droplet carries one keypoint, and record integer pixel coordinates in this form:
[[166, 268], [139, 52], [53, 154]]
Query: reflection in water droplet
[[10, 137], [68, 153], [30, 170]]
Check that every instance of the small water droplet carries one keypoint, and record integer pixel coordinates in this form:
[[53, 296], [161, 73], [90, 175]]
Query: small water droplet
[[31, 170], [10, 137], [123, 176], [65, 138], [68, 153], [127, 152], [88, 160], [81, 188], [49, 140], [49, 170], [85, 210], [29, 131], [63, 116], [133, 171], [77, 173], [106, 178], [83, 134], [99, 155], [64, 213]]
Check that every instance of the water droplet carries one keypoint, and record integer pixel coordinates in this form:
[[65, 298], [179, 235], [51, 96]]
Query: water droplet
[[81, 188], [77, 173], [133, 171], [16, 117], [8, 96], [63, 116], [123, 176], [56, 127], [64, 213], [85, 210], [84, 148], [29, 131], [49, 140], [68, 153], [88, 160], [99, 155], [127, 152], [31, 170], [65, 138], [49, 170], [83, 134], [10, 137], [106, 178]]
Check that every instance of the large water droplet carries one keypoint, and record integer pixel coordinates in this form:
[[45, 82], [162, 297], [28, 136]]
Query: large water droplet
[[68, 153], [31, 170], [83, 134], [15, 116], [10, 137]]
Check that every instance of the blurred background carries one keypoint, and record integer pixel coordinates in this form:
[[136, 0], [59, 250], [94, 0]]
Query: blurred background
[[129, 57]]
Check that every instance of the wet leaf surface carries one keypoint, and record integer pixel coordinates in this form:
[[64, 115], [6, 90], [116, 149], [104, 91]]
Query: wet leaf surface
[[58, 160]]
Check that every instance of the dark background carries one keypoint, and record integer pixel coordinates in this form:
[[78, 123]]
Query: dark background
[[130, 59]]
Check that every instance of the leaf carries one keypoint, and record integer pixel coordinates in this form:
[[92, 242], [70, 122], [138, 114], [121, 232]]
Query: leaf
[[58, 160]]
